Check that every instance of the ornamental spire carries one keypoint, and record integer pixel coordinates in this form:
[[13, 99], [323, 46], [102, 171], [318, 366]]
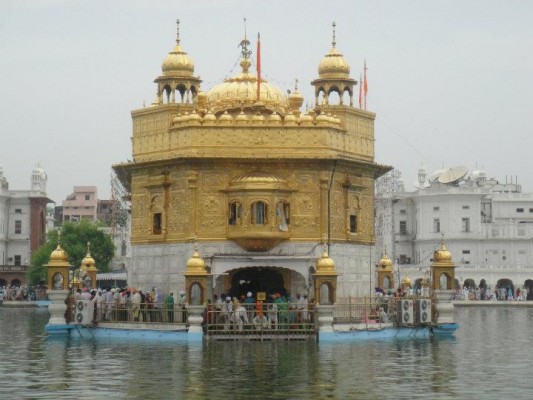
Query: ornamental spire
[[334, 42], [178, 32]]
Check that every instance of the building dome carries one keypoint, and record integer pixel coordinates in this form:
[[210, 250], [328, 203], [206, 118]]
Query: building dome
[[333, 65], [325, 263], [442, 254], [88, 261], [406, 281], [196, 264], [241, 90], [58, 255], [177, 63], [385, 262]]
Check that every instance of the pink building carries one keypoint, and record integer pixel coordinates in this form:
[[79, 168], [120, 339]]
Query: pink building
[[82, 203]]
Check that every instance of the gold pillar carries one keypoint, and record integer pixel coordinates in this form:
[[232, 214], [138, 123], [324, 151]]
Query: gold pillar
[[88, 270], [196, 278], [58, 269], [325, 275], [442, 268], [385, 270]]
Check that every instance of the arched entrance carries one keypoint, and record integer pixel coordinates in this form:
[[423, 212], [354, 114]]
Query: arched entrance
[[503, 286], [15, 283], [469, 284], [257, 279]]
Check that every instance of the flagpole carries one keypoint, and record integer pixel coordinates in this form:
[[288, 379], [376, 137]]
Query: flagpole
[[258, 64]]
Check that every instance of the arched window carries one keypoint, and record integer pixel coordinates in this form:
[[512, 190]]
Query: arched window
[[283, 216], [235, 213], [196, 294], [443, 281], [259, 213], [58, 281], [386, 282], [324, 294]]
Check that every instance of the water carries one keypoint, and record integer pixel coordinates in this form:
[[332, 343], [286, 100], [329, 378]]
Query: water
[[490, 358]]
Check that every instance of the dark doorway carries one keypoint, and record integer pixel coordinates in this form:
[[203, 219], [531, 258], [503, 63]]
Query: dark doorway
[[256, 279]]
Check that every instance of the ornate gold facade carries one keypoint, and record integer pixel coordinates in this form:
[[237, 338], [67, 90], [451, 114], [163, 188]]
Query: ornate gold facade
[[232, 164]]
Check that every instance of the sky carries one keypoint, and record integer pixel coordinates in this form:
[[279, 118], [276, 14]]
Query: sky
[[450, 81]]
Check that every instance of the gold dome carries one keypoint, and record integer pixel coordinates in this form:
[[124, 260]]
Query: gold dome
[[406, 281], [88, 261], [386, 262], [177, 62], [333, 65], [241, 91], [325, 263], [442, 254], [196, 265], [58, 255]]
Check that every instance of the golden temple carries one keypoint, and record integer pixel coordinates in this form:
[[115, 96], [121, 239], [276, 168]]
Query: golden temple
[[255, 180]]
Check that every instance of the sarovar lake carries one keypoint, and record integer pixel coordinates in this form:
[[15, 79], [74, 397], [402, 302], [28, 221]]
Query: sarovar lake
[[491, 357]]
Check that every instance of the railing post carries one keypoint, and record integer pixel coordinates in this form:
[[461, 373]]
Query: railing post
[[195, 314]]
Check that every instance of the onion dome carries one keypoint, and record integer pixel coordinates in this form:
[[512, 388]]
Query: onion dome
[[295, 98], [406, 281], [58, 255], [88, 261], [241, 90], [322, 119], [325, 263], [209, 118], [442, 254], [290, 119], [177, 62], [196, 264], [225, 118], [194, 118], [241, 118], [258, 119], [333, 65], [274, 119], [386, 262]]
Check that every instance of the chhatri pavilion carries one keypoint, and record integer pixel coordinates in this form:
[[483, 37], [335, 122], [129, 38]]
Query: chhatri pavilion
[[265, 195]]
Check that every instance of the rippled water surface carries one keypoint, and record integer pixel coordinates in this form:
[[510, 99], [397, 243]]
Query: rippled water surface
[[490, 358]]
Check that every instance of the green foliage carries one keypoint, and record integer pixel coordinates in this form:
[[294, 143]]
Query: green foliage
[[74, 238]]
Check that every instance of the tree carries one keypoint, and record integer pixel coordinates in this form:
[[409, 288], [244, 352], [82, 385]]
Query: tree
[[74, 238]]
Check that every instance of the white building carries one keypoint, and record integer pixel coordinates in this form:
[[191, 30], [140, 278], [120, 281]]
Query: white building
[[487, 225], [22, 226]]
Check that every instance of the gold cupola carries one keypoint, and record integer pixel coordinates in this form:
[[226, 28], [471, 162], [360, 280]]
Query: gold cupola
[[240, 92], [325, 279], [386, 263], [333, 76], [58, 268], [88, 269], [88, 261], [296, 99], [177, 83], [442, 269], [196, 264], [196, 279]]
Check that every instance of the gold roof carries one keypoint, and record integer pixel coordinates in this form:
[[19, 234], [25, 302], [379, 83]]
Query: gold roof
[[177, 62], [58, 255], [442, 254], [386, 262], [88, 261], [258, 180], [325, 263], [241, 90], [333, 65], [196, 264], [406, 281]]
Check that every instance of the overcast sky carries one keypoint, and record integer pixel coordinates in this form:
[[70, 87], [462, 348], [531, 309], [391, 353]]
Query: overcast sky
[[450, 81]]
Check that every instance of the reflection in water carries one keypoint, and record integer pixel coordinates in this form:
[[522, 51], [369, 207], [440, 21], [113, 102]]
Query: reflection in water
[[490, 356]]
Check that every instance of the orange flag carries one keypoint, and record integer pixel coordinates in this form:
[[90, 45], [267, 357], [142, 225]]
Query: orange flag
[[360, 92]]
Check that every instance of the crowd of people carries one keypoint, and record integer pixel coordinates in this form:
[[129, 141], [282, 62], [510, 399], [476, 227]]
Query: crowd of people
[[22, 293], [130, 305], [279, 311]]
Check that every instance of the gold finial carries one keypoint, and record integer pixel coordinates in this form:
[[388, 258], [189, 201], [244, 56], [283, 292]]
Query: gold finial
[[88, 248], [59, 237], [333, 25], [296, 84], [178, 31]]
